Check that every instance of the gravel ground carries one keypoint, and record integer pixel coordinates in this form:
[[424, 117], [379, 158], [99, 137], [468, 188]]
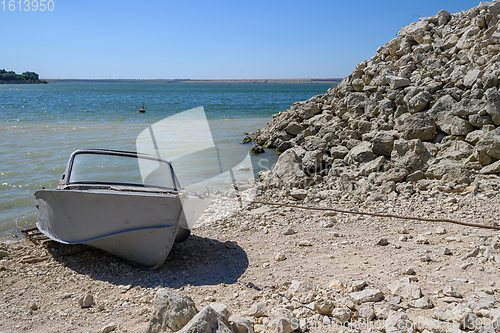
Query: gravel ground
[[253, 254]]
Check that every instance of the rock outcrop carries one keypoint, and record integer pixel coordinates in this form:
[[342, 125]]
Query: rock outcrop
[[425, 111], [172, 311]]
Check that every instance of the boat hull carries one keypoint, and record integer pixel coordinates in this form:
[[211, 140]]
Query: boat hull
[[136, 226]]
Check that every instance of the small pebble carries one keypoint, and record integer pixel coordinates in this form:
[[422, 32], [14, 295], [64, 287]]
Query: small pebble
[[66, 295], [423, 303], [466, 265], [257, 310], [336, 284], [474, 253], [328, 223], [408, 271], [358, 285], [422, 240], [86, 301], [124, 289], [451, 299], [382, 242], [210, 298], [280, 256], [445, 251], [425, 258], [449, 291], [108, 328], [460, 280], [440, 230]]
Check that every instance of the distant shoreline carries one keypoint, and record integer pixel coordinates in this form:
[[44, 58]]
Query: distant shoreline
[[325, 80], [22, 82]]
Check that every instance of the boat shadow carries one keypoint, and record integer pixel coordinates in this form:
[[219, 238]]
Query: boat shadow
[[197, 261]]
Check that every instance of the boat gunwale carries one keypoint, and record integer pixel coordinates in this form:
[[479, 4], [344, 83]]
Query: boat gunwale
[[114, 191], [119, 187]]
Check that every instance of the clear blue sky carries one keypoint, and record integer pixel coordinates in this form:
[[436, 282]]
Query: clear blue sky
[[204, 39]]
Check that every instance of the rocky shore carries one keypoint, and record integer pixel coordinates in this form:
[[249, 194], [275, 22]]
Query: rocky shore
[[412, 132], [265, 269]]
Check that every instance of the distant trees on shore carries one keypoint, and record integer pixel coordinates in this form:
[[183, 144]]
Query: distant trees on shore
[[12, 76]]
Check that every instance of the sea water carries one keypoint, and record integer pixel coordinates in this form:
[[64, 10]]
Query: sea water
[[41, 125]]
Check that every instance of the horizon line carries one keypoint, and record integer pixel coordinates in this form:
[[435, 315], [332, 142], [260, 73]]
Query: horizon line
[[179, 80]]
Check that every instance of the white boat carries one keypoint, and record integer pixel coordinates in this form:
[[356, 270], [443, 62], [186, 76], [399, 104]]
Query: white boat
[[126, 203]]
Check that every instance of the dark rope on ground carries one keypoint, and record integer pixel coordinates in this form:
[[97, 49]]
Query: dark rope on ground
[[426, 219]]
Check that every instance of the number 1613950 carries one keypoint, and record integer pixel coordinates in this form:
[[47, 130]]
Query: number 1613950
[[27, 5]]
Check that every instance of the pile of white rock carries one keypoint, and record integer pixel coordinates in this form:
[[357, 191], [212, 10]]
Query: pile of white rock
[[302, 307], [424, 112]]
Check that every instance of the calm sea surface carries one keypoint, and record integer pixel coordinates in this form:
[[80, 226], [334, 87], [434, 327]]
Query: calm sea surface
[[41, 125]]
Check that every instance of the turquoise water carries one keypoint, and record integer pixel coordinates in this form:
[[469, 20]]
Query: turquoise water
[[40, 125]]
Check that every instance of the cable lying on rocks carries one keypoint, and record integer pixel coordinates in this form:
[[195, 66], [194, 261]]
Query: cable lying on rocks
[[476, 225]]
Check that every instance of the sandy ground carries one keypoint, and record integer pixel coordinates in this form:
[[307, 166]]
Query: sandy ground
[[42, 295]]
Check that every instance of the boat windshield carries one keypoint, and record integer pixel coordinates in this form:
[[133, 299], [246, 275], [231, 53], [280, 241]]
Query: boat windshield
[[120, 169]]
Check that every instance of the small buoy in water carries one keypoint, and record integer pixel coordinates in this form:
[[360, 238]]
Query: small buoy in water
[[142, 109]]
